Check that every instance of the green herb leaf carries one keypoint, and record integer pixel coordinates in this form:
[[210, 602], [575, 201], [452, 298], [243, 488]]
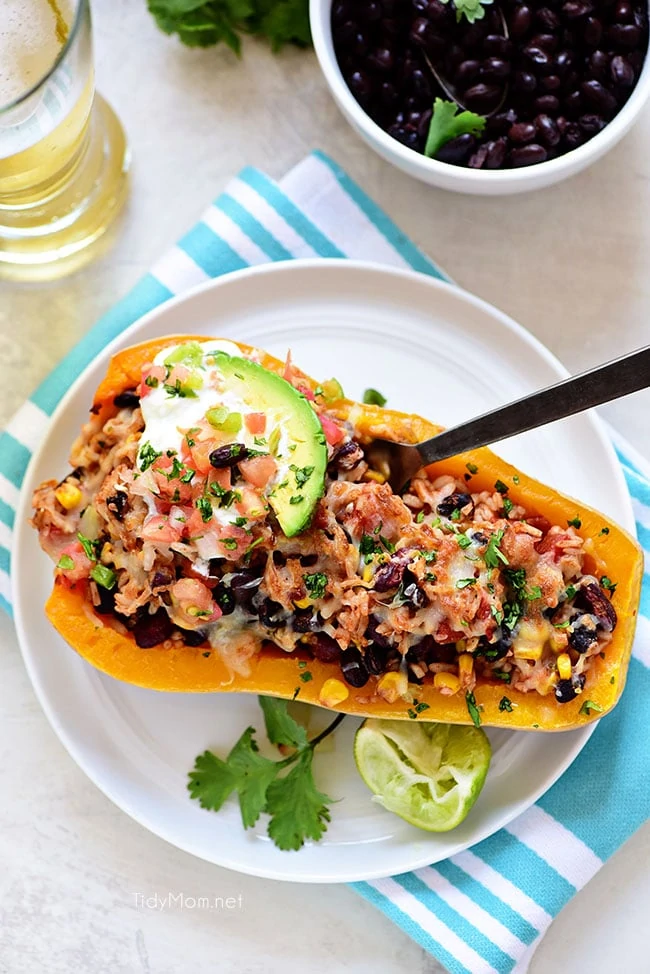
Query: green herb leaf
[[472, 467], [608, 584], [603, 531], [372, 397], [472, 10], [448, 122], [588, 706], [575, 522], [465, 582], [281, 728], [493, 554], [501, 487], [505, 705], [229, 543], [502, 675], [104, 576], [419, 517], [147, 456], [65, 563], [316, 584], [204, 505], [90, 547], [472, 709], [212, 780], [297, 808]]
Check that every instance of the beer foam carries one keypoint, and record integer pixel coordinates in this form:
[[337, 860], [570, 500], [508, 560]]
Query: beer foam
[[29, 44]]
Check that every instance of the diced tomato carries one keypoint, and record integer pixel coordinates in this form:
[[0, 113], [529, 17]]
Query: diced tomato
[[259, 470], [193, 603], [159, 529], [81, 564], [155, 374], [200, 455], [251, 505], [173, 490], [255, 422], [221, 476], [333, 433]]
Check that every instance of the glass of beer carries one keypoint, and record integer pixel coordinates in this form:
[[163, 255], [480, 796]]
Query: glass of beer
[[63, 154]]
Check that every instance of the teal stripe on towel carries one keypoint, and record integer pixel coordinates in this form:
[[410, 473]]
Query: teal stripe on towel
[[290, 213]]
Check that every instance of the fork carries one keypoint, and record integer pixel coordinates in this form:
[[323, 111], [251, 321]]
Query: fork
[[620, 377]]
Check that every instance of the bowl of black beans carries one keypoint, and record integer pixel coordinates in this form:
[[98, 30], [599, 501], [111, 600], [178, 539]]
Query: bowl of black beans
[[486, 96]]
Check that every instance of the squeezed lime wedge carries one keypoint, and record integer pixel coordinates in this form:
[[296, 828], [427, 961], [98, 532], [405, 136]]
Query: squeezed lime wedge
[[429, 774]]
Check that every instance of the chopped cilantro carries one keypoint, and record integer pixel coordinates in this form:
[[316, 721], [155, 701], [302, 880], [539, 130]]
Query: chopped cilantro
[[515, 479], [505, 705], [562, 625], [502, 675], [472, 709], [430, 577], [177, 389], [570, 591], [302, 474], [306, 676], [412, 714], [472, 467], [229, 543], [148, 456], [65, 563], [501, 487], [603, 531], [240, 522], [465, 582], [316, 584], [608, 584], [429, 556], [419, 517], [575, 522], [455, 515], [205, 507], [104, 576], [507, 506], [296, 499], [463, 540], [372, 397], [493, 554], [151, 381], [90, 547], [188, 476], [588, 706], [420, 707]]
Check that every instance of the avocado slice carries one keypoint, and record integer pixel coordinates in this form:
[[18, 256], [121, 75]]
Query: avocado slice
[[302, 458]]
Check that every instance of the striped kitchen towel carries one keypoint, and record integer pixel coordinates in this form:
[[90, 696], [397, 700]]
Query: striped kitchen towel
[[482, 911]]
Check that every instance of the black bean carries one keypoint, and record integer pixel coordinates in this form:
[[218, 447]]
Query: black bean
[[550, 83], [524, 81], [229, 455], [593, 599], [582, 637], [117, 504], [349, 456], [621, 71], [520, 133], [224, 598], [272, 614], [325, 648], [479, 158], [353, 668], [547, 104], [624, 12], [456, 150], [482, 98], [626, 36], [500, 123], [374, 636], [567, 690], [192, 637], [161, 578], [598, 97], [457, 501], [496, 156], [528, 155], [592, 32], [547, 19], [598, 64], [467, 72], [574, 9], [390, 575], [374, 657], [151, 630], [547, 131], [412, 594], [496, 45], [519, 21], [591, 124], [493, 651], [495, 69], [106, 601], [538, 57], [127, 400], [306, 620], [360, 85]]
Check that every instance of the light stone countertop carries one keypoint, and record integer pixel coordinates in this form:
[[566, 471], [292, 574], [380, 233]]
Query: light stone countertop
[[570, 263]]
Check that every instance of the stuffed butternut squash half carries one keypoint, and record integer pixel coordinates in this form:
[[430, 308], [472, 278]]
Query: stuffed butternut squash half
[[224, 529]]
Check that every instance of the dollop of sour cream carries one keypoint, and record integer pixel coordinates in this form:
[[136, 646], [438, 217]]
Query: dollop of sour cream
[[168, 416]]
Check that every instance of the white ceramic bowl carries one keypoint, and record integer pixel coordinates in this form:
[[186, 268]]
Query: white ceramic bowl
[[460, 179]]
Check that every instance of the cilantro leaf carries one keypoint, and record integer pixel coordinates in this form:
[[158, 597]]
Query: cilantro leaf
[[372, 397], [254, 775], [211, 781], [202, 23], [447, 124], [316, 584], [472, 709], [298, 809], [472, 10], [281, 728]]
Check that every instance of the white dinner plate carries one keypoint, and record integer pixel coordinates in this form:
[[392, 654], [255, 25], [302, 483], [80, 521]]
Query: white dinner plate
[[430, 348]]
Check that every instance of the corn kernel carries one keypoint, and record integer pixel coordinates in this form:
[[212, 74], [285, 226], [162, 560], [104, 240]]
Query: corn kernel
[[392, 686], [465, 664], [333, 692], [446, 682], [303, 603], [68, 496], [376, 476], [529, 652], [367, 573], [531, 640], [564, 666]]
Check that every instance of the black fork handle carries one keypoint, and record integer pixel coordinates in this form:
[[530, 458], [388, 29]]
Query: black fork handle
[[616, 379]]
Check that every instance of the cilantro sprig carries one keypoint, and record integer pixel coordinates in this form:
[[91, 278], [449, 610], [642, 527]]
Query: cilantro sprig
[[298, 810], [201, 24], [448, 122], [472, 10]]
